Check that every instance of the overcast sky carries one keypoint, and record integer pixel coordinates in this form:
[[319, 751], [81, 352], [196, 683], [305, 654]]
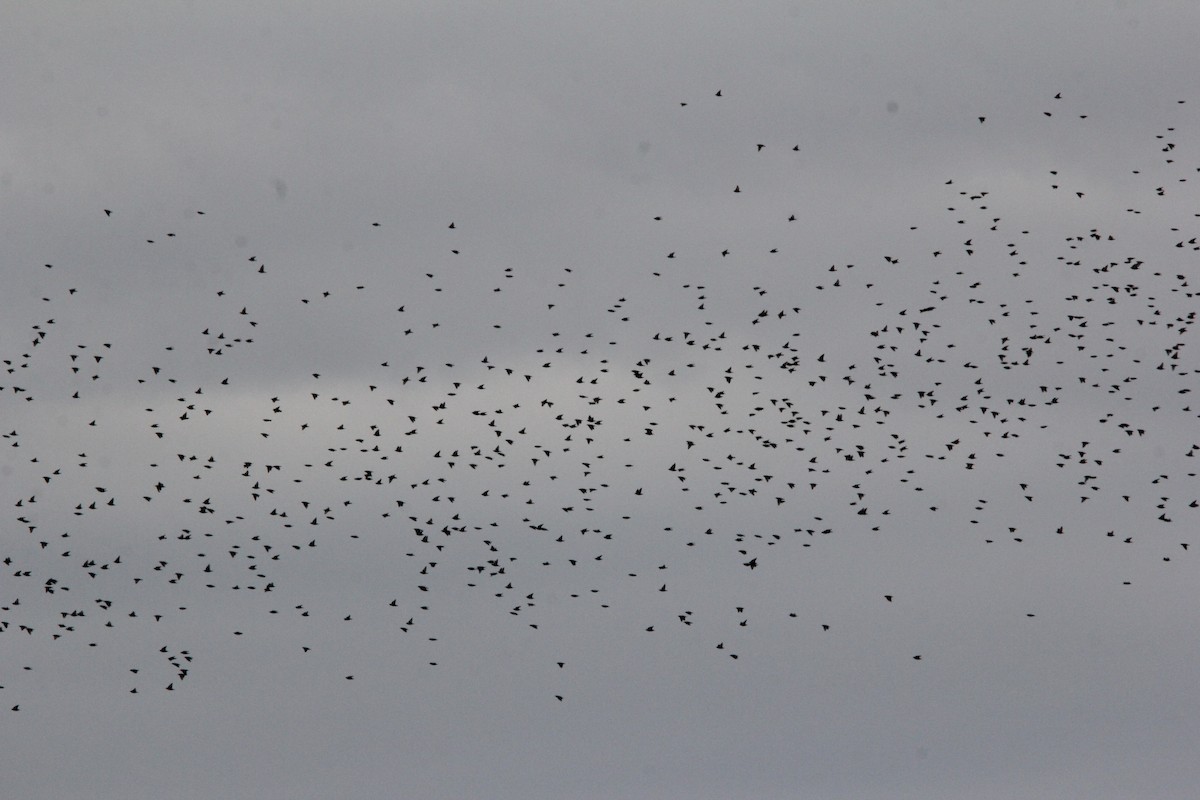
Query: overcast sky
[[631, 400]]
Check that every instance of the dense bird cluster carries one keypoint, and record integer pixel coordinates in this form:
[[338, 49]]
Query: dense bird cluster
[[491, 444]]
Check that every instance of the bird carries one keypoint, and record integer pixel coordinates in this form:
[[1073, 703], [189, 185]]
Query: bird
[[509, 446]]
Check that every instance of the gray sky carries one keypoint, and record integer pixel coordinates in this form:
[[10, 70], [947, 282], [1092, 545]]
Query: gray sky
[[944, 412]]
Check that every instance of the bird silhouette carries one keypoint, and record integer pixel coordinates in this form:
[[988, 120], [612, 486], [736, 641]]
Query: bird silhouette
[[521, 447]]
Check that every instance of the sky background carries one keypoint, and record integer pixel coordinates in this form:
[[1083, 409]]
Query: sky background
[[438, 344]]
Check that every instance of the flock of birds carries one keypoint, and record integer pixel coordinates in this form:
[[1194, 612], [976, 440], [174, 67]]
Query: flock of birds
[[653, 444]]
